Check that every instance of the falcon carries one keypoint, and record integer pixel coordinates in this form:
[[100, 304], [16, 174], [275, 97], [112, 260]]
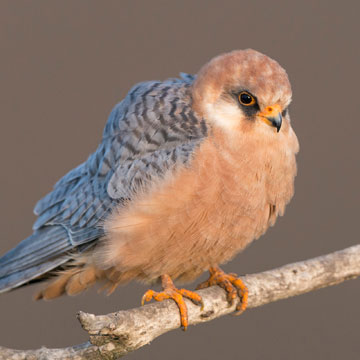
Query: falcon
[[189, 171]]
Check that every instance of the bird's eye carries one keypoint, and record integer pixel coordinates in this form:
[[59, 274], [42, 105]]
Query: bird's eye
[[246, 99]]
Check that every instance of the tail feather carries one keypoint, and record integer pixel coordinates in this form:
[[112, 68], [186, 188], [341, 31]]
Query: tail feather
[[22, 277], [41, 252]]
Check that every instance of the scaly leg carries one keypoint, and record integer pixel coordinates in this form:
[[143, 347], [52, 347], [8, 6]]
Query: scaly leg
[[171, 292], [231, 283]]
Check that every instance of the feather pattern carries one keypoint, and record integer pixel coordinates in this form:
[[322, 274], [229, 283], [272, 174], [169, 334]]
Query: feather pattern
[[189, 175], [150, 132]]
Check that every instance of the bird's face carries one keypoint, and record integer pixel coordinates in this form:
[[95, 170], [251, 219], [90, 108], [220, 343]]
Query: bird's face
[[243, 91]]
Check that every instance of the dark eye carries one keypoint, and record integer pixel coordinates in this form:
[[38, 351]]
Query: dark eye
[[284, 112], [246, 99]]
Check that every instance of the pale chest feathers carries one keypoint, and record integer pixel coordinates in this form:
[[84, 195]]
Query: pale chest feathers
[[202, 214]]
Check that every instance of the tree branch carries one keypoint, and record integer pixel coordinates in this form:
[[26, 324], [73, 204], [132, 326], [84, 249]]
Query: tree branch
[[116, 334]]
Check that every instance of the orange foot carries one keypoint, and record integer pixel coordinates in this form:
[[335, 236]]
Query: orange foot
[[171, 292], [231, 283]]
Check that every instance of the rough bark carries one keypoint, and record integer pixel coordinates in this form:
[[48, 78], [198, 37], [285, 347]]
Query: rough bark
[[114, 335]]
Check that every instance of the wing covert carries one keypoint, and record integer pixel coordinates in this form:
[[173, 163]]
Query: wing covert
[[150, 132]]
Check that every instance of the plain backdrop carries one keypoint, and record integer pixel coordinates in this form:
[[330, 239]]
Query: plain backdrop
[[65, 64]]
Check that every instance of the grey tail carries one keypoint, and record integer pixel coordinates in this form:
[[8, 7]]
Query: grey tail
[[43, 251]]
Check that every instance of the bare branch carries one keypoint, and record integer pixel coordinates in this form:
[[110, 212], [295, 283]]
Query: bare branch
[[116, 334]]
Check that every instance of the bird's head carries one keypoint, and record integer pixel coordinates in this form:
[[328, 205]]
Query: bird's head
[[243, 90]]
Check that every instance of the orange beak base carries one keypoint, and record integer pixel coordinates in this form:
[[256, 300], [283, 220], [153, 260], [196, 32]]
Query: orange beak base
[[272, 116]]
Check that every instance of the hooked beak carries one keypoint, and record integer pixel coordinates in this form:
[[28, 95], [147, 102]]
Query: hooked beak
[[272, 116]]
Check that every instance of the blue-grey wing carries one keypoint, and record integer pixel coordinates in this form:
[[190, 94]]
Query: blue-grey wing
[[159, 131], [150, 132]]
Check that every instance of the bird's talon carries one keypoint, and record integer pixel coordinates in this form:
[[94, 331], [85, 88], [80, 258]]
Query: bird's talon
[[147, 297], [203, 285], [231, 294], [199, 303], [233, 275], [232, 284], [237, 313], [171, 292]]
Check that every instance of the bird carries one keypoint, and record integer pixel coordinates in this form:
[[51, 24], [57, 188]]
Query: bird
[[189, 171]]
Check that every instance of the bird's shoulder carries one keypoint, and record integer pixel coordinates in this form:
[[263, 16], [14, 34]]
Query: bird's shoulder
[[151, 131], [155, 130], [165, 105]]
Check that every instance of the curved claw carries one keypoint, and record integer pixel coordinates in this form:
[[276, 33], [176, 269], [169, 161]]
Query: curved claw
[[243, 294], [171, 292], [203, 285], [231, 283], [193, 296], [147, 296]]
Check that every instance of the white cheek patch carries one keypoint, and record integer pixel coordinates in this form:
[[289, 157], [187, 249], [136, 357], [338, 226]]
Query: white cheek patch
[[225, 115]]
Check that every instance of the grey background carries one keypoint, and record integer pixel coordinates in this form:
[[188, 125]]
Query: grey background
[[64, 64]]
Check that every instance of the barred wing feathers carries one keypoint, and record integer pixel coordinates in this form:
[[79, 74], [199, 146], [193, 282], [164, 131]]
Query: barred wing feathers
[[152, 131]]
